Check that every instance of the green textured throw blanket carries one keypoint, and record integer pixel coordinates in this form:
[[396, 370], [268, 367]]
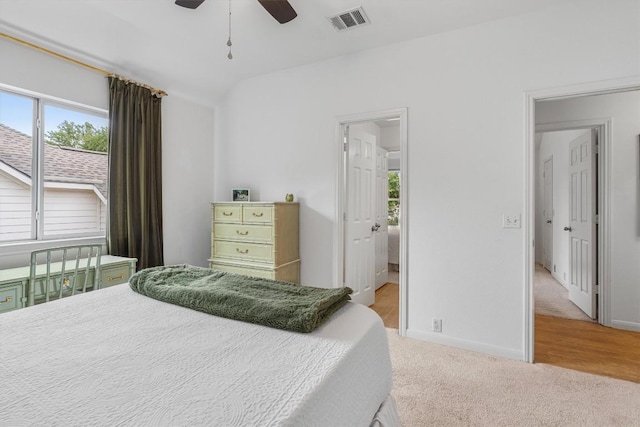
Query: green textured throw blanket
[[272, 303]]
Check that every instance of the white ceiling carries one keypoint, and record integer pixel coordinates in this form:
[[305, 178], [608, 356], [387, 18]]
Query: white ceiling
[[184, 51]]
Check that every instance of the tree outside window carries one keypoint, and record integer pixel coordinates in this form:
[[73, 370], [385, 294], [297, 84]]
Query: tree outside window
[[83, 136], [394, 198]]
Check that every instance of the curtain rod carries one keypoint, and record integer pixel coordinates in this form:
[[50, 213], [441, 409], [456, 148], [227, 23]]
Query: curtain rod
[[157, 92]]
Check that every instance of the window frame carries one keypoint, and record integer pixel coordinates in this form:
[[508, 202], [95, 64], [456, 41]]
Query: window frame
[[38, 239], [393, 199]]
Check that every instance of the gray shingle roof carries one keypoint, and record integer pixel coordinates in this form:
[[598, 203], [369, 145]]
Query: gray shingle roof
[[62, 164]]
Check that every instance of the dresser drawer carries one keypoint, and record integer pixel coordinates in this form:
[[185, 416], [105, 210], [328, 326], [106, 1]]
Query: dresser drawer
[[40, 284], [247, 233], [244, 251], [10, 297], [227, 213], [288, 273], [245, 271], [114, 275], [257, 214]]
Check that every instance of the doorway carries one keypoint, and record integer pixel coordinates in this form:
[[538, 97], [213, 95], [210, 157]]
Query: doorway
[[364, 143], [565, 278], [583, 117]]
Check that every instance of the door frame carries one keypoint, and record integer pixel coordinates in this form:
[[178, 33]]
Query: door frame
[[544, 196], [339, 234], [604, 193]]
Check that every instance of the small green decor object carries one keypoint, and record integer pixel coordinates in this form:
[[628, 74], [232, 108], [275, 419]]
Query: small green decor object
[[289, 197]]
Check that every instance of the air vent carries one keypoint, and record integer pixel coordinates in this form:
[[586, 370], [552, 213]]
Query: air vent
[[349, 19]]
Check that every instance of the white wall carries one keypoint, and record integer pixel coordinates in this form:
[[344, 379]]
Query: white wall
[[555, 144], [187, 182], [370, 128], [464, 91], [390, 136], [28, 69], [187, 148], [15, 210], [69, 211], [624, 111]]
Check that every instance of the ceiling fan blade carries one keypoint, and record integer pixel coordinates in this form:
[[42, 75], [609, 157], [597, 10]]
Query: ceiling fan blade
[[189, 4], [279, 9]]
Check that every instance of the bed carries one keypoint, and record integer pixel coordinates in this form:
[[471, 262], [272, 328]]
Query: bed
[[115, 357]]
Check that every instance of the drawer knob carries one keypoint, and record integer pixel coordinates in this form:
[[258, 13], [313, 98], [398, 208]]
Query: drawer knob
[[6, 300], [110, 278], [242, 251], [242, 233], [259, 214], [227, 213]]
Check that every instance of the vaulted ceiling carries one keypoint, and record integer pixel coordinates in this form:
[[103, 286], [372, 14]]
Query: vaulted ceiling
[[184, 51]]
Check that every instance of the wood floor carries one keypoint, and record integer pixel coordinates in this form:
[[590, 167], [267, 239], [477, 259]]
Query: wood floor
[[587, 347], [387, 304], [572, 344]]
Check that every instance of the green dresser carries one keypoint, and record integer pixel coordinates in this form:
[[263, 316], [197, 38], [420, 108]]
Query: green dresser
[[12, 295], [258, 239], [14, 282]]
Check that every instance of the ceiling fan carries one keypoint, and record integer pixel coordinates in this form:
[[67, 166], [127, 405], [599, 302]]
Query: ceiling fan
[[279, 9]]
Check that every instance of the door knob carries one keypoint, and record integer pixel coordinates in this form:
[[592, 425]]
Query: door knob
[[548, 221], [567, 229], [375, 227]]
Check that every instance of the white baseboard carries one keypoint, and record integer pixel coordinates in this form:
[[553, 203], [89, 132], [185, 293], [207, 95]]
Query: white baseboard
[[438, 338], [560, 280], [629, 326]]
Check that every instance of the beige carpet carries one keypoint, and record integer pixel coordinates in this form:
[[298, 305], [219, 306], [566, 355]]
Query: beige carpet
[[436, 385], [552, 299]]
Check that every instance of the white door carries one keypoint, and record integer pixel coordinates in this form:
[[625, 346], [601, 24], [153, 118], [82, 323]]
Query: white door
[[382, 214], [582, 208], [359, 268], [547, 213]]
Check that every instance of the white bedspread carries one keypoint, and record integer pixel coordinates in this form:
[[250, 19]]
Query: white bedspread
[[114, 357]]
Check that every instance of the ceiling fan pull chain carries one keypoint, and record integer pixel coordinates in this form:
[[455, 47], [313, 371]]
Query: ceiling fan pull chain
[[230, 56]]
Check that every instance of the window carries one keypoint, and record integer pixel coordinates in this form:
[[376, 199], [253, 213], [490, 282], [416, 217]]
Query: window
[[53, 169], [394, 197]]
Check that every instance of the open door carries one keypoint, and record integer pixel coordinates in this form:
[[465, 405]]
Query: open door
[[382, 217], [359, 268], [582, 227]]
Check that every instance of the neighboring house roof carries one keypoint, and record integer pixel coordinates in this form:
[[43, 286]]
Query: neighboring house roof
[[62, 164]]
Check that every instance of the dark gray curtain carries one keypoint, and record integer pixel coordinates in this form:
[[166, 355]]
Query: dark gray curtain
[[135, 173]]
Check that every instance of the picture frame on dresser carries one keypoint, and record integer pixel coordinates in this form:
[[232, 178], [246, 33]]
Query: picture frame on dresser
[[241, 195]]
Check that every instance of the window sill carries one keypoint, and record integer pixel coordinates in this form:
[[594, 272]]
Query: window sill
[[17, 251]]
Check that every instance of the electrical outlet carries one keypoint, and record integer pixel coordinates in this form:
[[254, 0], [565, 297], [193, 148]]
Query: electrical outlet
[[510, 220], [437, 325]]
